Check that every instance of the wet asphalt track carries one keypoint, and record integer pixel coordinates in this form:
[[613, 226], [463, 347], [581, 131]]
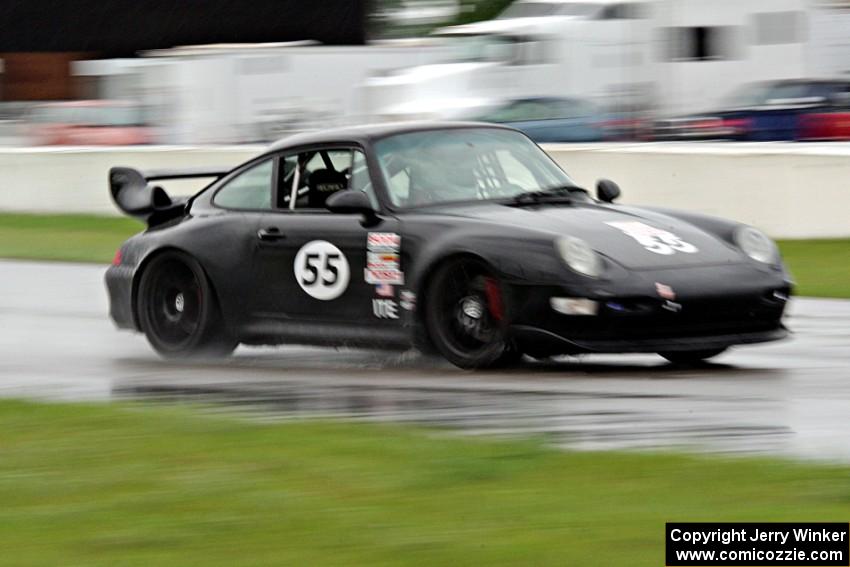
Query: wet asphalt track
[[789, 398]]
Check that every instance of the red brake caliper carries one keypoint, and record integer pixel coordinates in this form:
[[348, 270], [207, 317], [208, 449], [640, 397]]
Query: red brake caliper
[[494, 298]]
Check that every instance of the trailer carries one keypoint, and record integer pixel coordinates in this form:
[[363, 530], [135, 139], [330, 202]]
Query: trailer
[[252, 93], [667, 56]]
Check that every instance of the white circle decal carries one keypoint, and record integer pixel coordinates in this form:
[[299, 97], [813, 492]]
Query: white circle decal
[[321, 270]]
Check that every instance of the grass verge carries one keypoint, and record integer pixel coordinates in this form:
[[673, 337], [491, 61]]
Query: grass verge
[[102, 485], [821, 267], [72, 238]]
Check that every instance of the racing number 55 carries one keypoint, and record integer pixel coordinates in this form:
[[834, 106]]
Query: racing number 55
[[321, 270], [330, 270]]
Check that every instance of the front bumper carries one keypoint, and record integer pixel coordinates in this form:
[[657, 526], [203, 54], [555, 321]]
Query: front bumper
[[537, 341], [650, 324]]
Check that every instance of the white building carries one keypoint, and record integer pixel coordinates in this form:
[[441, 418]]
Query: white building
[[706, 49], [669, 56], [252, 93], [678, 55]]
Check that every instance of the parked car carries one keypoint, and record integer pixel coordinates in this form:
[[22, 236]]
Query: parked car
[[89, 123], [767, 111], [548, 119], [462, 238], [829, 125]]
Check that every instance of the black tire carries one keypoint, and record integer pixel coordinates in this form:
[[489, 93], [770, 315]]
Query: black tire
[[178, 311], [461, 321], [686, 357]]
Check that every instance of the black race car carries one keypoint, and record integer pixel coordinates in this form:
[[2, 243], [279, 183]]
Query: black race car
[[462, 238]]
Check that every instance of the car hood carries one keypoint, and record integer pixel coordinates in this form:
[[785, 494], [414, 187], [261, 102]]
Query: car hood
[[633, 237]]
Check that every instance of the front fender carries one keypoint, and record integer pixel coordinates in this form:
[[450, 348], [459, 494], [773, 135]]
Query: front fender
[[516, 259], [719, 227]]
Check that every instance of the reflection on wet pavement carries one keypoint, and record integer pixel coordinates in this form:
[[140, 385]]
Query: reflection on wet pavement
[[585, 419], [788, 398], [641, 404]]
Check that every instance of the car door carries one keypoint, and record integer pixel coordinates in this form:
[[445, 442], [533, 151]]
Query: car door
[[243, 197], [776, 120], [311, 264]]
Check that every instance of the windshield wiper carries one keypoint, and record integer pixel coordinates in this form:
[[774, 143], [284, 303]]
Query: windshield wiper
[[562, 193]]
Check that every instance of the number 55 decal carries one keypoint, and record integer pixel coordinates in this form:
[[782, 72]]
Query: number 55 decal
[[321, 270]]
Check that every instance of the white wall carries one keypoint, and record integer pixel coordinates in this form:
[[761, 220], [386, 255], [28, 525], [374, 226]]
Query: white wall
[[829, 41], [74, 180], [789, 190]]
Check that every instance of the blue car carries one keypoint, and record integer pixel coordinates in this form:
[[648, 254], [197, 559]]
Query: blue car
[[760, 112], [550, 119]]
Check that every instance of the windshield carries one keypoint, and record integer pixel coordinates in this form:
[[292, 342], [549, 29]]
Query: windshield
[[759, 94], [753, 94], [464, 164], [538, 9], [484, 48]]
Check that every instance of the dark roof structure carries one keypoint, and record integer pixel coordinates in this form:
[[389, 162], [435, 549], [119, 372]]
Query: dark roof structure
[[125, 28], [371, 132]]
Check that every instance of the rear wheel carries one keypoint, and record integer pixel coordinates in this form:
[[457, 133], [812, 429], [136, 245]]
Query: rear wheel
[[465, 316], [178, 311], [691, 356]]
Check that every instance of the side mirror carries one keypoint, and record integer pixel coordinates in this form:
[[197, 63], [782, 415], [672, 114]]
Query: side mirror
[[350, 202], [607, 191]]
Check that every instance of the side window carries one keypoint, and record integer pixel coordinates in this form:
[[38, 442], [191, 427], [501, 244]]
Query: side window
[[552, 110], [251, 189], [307, 179], [575, 109], [703, 43], [840, 96], [777, 28], [520, 111], [623, 12]]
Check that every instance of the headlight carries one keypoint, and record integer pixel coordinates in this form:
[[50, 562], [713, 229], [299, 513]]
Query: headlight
[[756, 244], [579, 256]]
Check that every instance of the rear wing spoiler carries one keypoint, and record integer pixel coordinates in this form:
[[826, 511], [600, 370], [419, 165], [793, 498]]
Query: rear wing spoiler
[[134, 195]]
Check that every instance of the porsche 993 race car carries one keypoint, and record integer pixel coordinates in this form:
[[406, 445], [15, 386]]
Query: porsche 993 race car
[[460, 238]]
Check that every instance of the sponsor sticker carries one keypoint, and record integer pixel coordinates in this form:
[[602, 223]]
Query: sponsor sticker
[[665, 291], [391, 277], [654, 239], [383, 262], [383, 240], [385, 290], [408, 300], [385, 309]]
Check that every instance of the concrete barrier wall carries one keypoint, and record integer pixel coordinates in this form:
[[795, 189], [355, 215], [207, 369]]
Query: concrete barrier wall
[[74, 180], [789, 190]]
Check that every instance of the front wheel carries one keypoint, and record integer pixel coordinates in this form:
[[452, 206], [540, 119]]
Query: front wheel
[[465, 316], [686, 357], [178, 311]]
